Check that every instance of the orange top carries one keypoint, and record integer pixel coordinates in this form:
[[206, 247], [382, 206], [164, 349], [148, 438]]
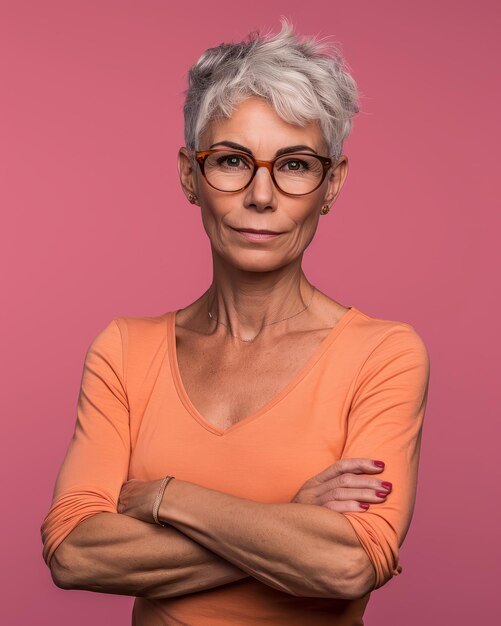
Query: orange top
[[361, 394]]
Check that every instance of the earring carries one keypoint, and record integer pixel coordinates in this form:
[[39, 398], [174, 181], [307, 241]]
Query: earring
[[325, 209], [192, 198]]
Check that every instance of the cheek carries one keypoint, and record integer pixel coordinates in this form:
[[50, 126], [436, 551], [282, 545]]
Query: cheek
[[305, 229], [306, 221], [305, 211], [212, 216], [312, 228]]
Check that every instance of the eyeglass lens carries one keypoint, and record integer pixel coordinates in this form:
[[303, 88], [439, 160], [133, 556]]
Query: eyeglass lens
[[294, 173]]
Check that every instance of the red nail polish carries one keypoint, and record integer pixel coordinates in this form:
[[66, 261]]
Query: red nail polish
[[378, 463], [381, 494], [386, 485], [364, 505]]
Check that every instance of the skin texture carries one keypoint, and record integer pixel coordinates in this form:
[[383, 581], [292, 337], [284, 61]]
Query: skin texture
[[98, 553], [209, 517], [254, 283]]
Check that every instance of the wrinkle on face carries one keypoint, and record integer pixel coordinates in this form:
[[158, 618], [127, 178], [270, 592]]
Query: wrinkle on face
[[256, 126]]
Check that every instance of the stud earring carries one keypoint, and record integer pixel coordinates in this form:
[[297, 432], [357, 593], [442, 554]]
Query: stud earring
[[325, 209], [192, 198]]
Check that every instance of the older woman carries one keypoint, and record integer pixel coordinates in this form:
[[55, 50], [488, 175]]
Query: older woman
[[254, 455]]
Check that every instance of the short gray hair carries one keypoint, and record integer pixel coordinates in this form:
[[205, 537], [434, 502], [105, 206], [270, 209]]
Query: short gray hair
[[303, 78]]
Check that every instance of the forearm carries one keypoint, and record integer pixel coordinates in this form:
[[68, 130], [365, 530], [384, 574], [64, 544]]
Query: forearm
[[301, 549], [112, 553]]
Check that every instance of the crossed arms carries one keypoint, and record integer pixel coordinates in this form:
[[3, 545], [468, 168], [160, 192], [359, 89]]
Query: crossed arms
[[214, 538]]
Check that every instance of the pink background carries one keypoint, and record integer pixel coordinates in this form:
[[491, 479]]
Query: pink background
[[94, 226]]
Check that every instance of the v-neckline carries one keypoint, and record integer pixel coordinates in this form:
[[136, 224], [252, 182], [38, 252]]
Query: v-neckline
[[191, 408]]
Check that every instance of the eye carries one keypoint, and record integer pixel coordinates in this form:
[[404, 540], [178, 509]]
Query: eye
[[294, 165], [232, 161]]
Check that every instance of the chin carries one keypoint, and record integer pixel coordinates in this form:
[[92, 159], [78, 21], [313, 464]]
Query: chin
[[256, 262]]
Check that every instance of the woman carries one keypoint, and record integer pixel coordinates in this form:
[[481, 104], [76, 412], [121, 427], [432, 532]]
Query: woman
[[254, 455]]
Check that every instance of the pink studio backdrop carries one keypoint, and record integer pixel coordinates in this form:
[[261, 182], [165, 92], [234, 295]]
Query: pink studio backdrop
[[94, 226]]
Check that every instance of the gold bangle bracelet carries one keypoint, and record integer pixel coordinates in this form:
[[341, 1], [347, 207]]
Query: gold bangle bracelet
[[158, 500]]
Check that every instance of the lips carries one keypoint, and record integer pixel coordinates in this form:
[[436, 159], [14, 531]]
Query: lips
[[257, 235], [257, 231]]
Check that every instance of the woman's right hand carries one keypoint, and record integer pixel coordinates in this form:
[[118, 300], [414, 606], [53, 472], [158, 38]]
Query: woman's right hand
[[339, 488]]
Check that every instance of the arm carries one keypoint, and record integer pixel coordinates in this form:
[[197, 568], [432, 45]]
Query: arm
[[307, 550], [87, 544], [112, 553], [385, 421], [300, 549]]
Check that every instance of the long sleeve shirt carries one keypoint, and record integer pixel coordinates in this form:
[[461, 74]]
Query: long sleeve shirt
[[362, 393]]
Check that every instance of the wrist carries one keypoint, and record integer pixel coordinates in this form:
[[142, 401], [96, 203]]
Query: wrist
[[158, 501], [175, 501]]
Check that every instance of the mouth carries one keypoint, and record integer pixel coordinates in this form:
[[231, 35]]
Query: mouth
[[254, 234], [258, 231]]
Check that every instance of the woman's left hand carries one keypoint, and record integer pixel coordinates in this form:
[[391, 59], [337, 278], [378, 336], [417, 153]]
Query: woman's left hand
[[137, 497]]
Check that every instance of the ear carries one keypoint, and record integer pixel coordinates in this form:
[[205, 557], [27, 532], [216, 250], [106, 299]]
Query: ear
[[187, 174], [336, 179]]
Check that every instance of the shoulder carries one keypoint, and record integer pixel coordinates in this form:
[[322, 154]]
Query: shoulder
[[143, 324], [389, 345], [135, 346], [141, 334], [366, 333], [379, 332]]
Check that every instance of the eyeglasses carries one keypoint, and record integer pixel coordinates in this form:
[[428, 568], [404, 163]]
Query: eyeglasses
[[294, 174]]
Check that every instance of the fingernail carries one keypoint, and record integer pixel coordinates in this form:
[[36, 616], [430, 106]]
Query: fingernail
[[364, 505], [378, 463], [381, 494], [386, 485]]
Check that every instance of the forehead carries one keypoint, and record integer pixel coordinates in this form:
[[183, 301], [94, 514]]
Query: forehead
[[255, 124]]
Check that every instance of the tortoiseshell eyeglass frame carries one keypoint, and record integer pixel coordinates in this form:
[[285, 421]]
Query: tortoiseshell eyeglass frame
[[326, 162]]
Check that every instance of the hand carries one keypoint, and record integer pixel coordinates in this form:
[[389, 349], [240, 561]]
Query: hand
[[137, 497], [340, 489]]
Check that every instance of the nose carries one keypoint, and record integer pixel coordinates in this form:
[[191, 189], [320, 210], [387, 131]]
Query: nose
[[261, 193]]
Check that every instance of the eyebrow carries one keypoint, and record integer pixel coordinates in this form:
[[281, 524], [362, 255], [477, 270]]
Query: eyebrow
[[287, 150]]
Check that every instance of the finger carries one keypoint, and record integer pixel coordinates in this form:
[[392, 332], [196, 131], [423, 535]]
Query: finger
[[352, 481], [360, 495], [345, 506], [344, 466]]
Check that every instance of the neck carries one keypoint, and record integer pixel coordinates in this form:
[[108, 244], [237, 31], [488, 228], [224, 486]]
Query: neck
[[246, 301]]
